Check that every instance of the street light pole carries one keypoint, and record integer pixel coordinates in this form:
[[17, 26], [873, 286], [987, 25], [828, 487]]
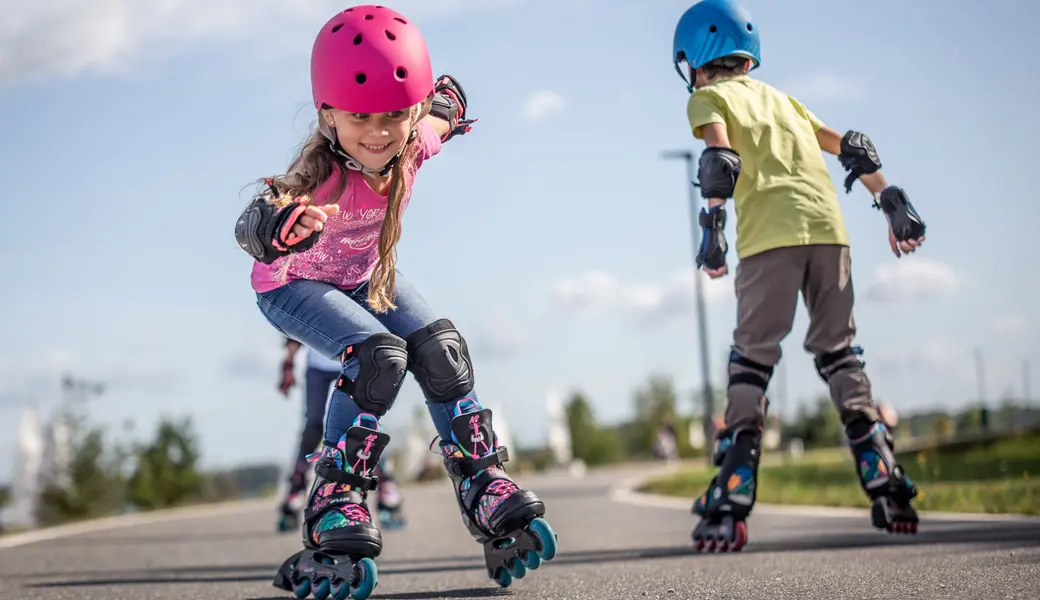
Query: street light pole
[[702, 321]]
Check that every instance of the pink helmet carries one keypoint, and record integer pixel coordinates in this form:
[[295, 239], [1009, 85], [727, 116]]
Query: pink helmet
[[370, 59]]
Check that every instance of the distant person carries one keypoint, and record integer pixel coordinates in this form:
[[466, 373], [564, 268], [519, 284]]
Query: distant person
[[321, 373], [764, 151], [324, 237]]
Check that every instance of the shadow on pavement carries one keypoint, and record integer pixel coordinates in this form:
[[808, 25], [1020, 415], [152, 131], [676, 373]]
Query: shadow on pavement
[[987, 536]]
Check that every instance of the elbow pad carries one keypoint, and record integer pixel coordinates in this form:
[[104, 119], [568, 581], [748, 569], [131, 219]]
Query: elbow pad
[[858, 157], [718, 172]]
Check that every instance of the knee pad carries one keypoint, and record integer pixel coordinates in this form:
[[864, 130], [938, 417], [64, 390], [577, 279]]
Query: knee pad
[[840, 360], [439, 360], [758, 376], [382, 364]]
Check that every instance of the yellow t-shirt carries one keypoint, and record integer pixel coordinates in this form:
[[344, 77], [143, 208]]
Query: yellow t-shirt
[[784, 195]]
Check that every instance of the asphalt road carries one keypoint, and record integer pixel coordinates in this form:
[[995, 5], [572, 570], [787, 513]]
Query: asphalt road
[[608, 550]]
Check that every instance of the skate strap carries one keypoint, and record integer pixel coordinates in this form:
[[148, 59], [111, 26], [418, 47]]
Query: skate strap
[[467, 467], [331, 473]]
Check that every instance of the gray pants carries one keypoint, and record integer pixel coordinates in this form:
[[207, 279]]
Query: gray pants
[[767, 287]]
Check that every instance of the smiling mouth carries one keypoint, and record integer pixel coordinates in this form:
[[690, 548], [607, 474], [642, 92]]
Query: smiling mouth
[[375, 149]]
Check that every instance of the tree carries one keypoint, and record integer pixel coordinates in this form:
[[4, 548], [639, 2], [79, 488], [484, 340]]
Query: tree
[[819, 426], [589, 442], [93, 485], [656, 406], [166, 472]]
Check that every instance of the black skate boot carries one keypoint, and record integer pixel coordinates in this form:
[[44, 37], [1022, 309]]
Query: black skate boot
[[730, 496], [388, 499], [289, 512], [503, 517], [882, 478], [339, 537]]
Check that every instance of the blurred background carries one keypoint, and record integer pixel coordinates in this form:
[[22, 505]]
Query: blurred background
[[138, 373]]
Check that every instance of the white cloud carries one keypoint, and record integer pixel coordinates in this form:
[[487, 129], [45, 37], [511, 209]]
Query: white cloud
[[44, 39], [1009, 324], [595, 291], [822, 88], [912, 278], [543, 104]]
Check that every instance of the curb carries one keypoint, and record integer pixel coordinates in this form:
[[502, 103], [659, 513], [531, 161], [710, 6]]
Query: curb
[[626, 494]]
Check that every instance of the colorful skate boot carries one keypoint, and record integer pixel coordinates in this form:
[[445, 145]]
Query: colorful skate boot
[[388, 499], [503, 517], [339, 537], [730, 496], [289, 519], [882, 478]]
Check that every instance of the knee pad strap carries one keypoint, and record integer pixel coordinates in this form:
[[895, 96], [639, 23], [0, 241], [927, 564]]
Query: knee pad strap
[[759, 376], [832, 362]]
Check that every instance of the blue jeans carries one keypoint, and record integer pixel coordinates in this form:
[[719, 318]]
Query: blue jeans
[[329, 319]]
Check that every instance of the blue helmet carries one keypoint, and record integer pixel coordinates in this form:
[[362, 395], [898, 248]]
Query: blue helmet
[[713, 29]]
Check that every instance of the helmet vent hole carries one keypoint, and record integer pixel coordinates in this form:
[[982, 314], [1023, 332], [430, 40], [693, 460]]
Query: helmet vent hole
[[361, 78], [337, 28], [749, 27], [389, 36], [349, 10], [401, 73], [400, 20], [369, 17], [713, 29], [357, 40]]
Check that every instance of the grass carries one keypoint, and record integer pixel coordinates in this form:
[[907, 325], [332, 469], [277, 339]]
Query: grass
[[996, 477]]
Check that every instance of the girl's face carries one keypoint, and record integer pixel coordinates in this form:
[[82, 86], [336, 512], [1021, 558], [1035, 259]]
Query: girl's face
[[373, 139]]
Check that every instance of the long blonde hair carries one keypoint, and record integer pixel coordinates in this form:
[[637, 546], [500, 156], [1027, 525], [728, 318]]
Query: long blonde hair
[[313, 165]]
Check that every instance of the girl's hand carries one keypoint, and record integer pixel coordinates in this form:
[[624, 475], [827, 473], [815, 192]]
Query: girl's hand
[[312, 219]]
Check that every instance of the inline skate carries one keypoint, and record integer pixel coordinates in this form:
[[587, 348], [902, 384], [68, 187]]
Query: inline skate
[[388, 499], [882, 478], [289, 511], [504, 518], [339, 537], [725, 506]]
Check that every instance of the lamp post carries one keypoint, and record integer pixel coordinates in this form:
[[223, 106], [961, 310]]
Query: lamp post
[[702, 321]]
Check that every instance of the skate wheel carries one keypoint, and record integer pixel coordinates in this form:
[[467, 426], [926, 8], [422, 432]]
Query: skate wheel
[[503, 578], [532, 561], [302, 589], [516, 568], [740, 536], [541, 530], [698, 544], [341, 590], [322, 588], [367, 579]]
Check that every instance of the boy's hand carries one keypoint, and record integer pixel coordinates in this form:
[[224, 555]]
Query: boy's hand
[[905, 227], [899, 248], [716, 273]]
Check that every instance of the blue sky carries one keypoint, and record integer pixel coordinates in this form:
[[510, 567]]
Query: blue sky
[[553, 235]]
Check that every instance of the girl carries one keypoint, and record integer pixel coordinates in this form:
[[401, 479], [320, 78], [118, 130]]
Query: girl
[[323, 237], [320, 375]]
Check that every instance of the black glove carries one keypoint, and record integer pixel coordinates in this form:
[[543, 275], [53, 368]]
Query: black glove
[[712, 251], [906, 224]]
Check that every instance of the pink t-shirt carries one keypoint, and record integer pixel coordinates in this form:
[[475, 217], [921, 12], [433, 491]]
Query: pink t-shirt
[[348, 249]]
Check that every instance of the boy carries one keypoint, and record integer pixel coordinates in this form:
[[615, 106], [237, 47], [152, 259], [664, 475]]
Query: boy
[[763, 150]]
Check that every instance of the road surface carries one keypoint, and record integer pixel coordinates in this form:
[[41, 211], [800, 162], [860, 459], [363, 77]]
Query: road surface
[[609, 550]]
